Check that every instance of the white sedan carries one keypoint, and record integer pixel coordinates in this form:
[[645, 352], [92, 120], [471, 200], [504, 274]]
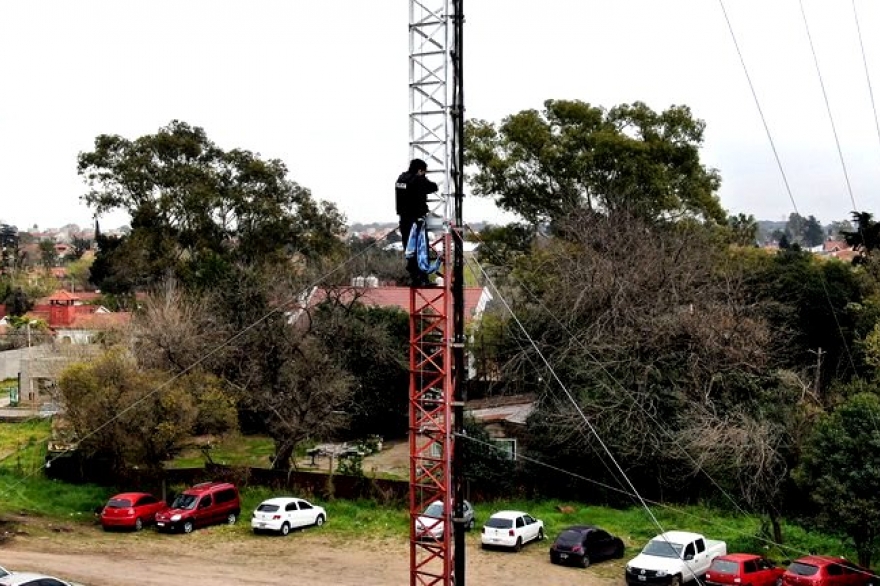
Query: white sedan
[[285, 513], [511, 529]]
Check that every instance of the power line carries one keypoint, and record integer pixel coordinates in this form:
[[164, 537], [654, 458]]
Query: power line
[[621, 386], [202, 359], [867, 74], [828, 107]]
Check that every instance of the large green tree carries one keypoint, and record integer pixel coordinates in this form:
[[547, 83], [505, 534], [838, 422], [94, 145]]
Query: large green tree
[[841, 470], [197, 208], [629, 160]]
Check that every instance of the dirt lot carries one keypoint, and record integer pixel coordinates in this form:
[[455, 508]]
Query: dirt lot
[[220, 556]]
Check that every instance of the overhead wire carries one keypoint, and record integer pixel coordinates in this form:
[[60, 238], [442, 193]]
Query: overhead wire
[[619, 385], [595, 433], [782, 170], [278, 308], [867, 73]]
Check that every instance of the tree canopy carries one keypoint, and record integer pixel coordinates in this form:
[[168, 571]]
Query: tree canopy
[[629, 159], [197, 208]]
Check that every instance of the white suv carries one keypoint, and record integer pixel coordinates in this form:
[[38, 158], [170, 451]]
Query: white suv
[[511, 529]]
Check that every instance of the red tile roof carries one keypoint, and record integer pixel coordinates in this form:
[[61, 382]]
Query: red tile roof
[[62, 295], [395, 297], [99, 321]]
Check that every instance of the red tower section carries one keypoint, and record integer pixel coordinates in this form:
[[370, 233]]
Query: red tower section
[[431, 433]]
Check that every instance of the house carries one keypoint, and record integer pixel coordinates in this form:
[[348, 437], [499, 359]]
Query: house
[[504, 418]]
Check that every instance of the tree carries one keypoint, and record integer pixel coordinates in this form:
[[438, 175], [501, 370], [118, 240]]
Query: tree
[[286, 375], [79, 271], [629, 159], [371, 343], [866, 237], [744, 229], [197, 209], [137, 418], [48, 256], [814, 234], [643, 321], [840, 468]]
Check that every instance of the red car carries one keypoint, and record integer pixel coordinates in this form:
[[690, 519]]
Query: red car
[[131, 510], [823, 570], [746, 569]]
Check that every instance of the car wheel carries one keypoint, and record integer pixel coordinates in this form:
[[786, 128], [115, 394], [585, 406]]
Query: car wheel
[[540, 535], [319, 522], [518, 545], [675, 580], [470, 525], [138, 524], [231, 518], [187, 526], [285, 529], [618, 553], [585, 561]]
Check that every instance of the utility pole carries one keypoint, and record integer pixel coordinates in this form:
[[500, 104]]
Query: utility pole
[[818, 380]]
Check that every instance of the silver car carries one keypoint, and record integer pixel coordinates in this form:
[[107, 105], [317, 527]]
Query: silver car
[[429, 525]]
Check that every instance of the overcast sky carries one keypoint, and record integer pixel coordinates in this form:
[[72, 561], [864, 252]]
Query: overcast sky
[[322, 85]]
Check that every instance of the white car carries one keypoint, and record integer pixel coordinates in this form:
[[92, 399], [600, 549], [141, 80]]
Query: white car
[[429, 525], [285, 513], [29, 579], [511, 529]]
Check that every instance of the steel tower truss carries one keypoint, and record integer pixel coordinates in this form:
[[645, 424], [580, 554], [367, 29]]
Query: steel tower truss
[[432, 325]]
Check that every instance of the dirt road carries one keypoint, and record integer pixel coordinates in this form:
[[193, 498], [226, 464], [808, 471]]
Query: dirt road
[[221, 556]]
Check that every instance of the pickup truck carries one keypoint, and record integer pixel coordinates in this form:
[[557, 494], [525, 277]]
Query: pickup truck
[[673, 558]]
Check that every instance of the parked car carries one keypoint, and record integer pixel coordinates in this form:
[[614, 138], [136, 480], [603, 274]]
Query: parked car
[[823, 570], [511, 529], [130, 510], [430, 524], [203, 504], [584, 544], [673, 558], [4, 572], [746, 569], [285, 513], [29, 579]]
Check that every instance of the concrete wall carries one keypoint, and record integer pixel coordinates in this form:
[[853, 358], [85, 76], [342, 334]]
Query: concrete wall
[[10, 360]]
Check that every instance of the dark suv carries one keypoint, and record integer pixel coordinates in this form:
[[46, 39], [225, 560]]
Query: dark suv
[[203, 504]]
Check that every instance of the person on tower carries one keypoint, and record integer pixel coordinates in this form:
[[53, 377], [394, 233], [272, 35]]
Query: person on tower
[[411, 198]]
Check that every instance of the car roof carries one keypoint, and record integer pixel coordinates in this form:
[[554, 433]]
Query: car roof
[[17, 578], [508, 514], [207, 487], [678, 536], [281, 500], [819, 560], [738, 557], [581, 528], [130, 495]]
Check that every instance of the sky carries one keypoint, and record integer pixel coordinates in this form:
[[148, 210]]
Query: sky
[[322, 85]]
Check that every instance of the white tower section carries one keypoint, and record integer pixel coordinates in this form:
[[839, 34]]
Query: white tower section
[[430, 95]]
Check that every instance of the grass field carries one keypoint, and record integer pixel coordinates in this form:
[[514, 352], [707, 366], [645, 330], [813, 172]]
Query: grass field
[[25, 490]]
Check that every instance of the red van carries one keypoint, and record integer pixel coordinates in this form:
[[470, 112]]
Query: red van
[[203, 504], [745, 569]]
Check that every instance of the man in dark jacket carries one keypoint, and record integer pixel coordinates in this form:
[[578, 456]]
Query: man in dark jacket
[[411, 195]]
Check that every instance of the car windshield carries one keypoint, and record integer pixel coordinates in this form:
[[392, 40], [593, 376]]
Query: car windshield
[[118, 504], [498, 523], [266, 508], [725, 567], [435, 510], [570, 537], [802, 569], [185, 501], [663, 549]]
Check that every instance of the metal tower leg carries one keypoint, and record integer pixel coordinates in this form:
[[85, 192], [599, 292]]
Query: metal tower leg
[[431, 439]]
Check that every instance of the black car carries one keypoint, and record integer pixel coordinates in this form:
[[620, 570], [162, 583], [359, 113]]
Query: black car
[[582, 544]]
